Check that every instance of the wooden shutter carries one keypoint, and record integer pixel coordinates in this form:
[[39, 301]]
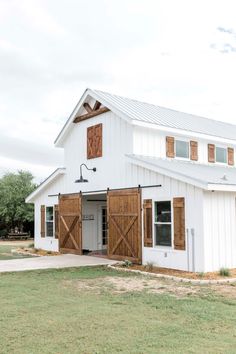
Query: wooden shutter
[[56, 220], [170, 146], [193, 150], [147, 222], [179, 223], [42, 220], [231, 156], [94, 141], [211, 153]]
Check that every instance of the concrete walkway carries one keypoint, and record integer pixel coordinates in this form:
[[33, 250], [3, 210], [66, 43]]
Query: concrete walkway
[[47, 262]]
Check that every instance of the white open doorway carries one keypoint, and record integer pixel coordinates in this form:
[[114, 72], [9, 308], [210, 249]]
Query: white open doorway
[[94, 224]]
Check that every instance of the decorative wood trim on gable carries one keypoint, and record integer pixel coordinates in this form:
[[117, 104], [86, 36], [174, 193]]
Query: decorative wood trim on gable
[[87, 107], [211, 153], [193, 150], [179, 223], [147, 222], [97, 105], [91, 112], [170, 146], [230, 156], [42, 213], [94, 141]]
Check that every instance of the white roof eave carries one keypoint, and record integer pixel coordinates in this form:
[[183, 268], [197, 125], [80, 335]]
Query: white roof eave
[[96, 96], [169, 173], [59, 171]]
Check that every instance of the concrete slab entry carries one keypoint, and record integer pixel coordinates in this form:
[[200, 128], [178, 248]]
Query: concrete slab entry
[[52, 262]]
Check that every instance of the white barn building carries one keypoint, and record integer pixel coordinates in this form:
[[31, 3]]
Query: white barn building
[[164, 189]]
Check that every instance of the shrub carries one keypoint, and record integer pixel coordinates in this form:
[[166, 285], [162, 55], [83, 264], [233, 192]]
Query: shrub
[[201, 274], [127, 263], [224, 272], [31, 245], [149, 266]]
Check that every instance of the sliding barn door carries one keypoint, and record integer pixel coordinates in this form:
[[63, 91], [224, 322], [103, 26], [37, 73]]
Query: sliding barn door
[[124, 225], [70, 224]]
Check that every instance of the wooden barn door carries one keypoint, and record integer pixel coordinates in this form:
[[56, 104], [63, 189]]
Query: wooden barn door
[[124, 225], [70, 224]]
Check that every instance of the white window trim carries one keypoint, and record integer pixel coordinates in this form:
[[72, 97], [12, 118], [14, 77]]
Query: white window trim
[[172, 226], [221, 163], [46, 236], [186, 141]]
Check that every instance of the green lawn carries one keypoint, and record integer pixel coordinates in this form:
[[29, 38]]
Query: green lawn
[[85, 311], [5, 253]]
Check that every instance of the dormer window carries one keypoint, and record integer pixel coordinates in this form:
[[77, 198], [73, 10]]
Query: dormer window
[[182, 149], [221, 154]]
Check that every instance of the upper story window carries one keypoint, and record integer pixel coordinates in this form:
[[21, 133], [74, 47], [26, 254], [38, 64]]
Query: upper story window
[[182, 149], [221, 154]]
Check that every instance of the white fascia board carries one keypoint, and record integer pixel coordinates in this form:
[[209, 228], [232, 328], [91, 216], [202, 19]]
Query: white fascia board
[[221, 187], [168, 173], [182, 132], [45, 183], [88, 92], [66, 126]]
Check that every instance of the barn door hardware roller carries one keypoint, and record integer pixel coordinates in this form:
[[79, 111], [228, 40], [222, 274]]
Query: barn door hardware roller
[[82, 179]]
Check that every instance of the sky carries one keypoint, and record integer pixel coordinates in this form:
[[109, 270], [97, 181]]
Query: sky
[[178, 54]]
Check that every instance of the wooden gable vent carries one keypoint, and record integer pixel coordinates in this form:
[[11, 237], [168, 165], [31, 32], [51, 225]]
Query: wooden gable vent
[[91, 111], [94, 141]]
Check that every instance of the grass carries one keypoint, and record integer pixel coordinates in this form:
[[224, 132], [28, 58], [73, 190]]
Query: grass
[[45, 312], [224, 272], [5, 253]]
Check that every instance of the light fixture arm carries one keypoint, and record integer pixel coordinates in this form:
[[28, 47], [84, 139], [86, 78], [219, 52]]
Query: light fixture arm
[[89, 169]]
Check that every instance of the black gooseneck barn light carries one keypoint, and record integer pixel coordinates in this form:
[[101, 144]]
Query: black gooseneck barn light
[[82, 179]]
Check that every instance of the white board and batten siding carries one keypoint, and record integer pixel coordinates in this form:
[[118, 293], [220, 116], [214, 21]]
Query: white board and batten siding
[[219, 230], [152, 142], [192, 258]]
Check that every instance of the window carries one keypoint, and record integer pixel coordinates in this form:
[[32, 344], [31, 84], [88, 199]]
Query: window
[[162, 223], [49, 221], [104, 226], [182, 149], [221, 154]]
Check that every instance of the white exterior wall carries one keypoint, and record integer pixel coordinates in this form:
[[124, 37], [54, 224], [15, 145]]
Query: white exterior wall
[[219, 230], [152, 142], [47, 243], [192, 259]]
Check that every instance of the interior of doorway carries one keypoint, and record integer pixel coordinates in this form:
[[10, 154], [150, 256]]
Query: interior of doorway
[[94, 225]]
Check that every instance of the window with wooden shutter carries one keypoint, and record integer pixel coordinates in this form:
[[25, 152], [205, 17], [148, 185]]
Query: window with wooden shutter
[[211, 153], [56, 218], [42, 220], [94, 141], [179, 223], [231, 156], [193, 150], [147, 222], [170, 146]]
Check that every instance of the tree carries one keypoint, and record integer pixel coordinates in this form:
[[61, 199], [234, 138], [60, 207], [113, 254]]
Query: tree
[[14, 188]]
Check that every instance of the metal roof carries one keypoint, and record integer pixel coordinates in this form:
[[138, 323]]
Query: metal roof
[[200, 174], [150, 113]]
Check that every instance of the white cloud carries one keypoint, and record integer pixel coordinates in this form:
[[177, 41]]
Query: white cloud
[[166, 52]]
